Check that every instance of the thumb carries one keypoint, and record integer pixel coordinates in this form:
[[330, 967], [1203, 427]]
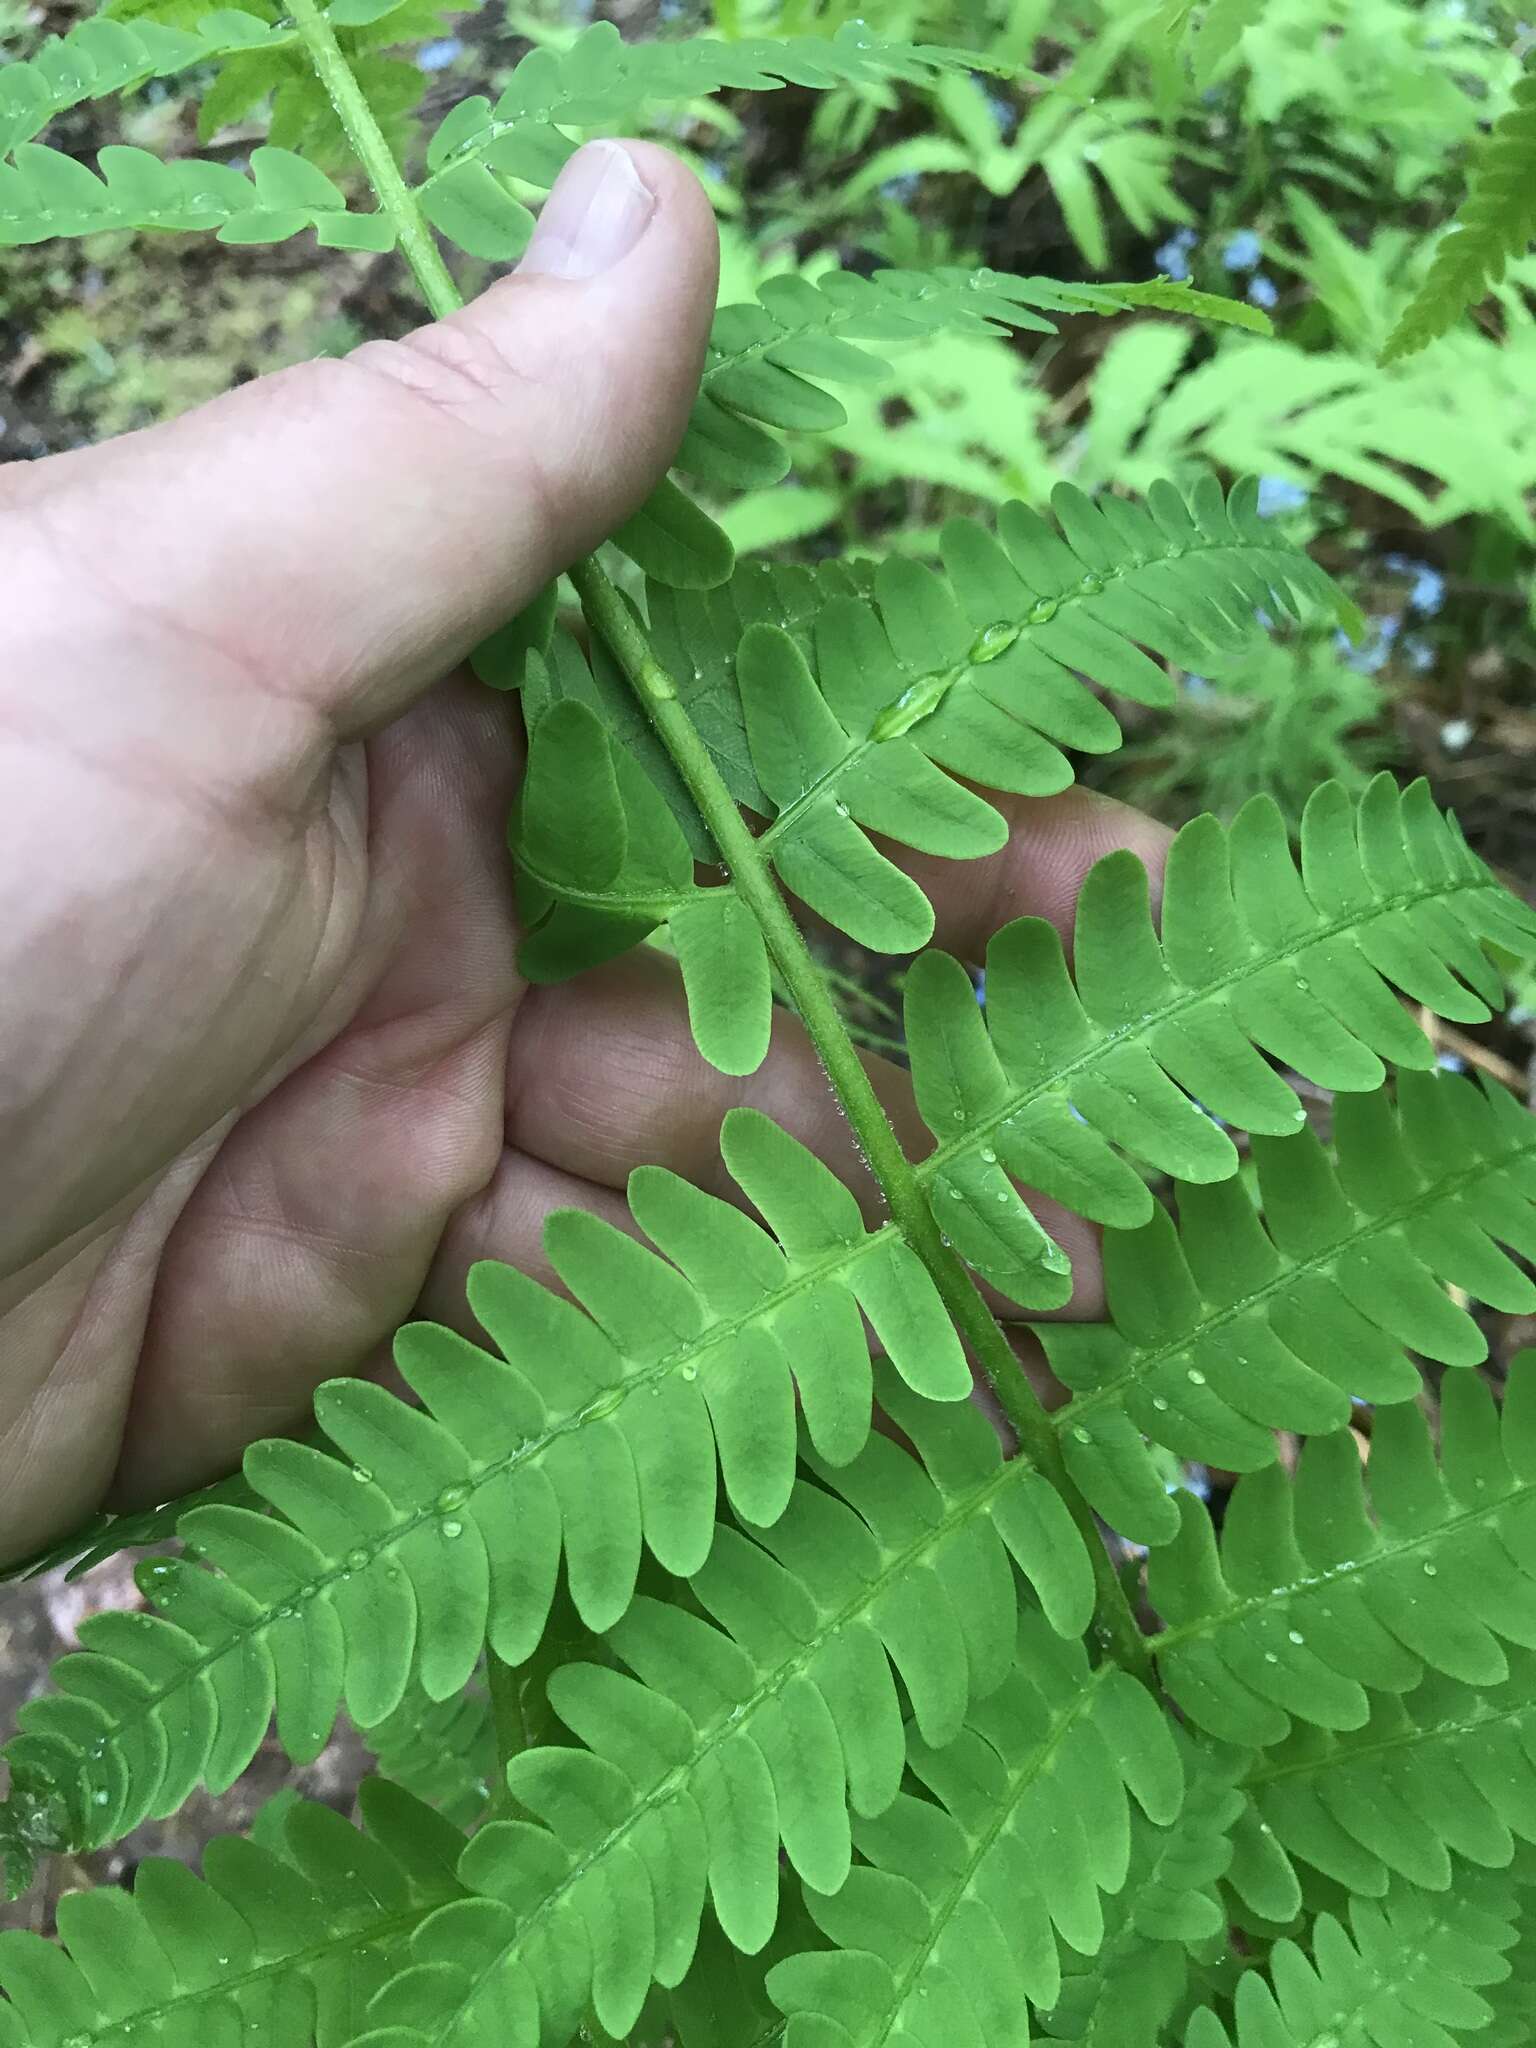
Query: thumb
[[347, 529]]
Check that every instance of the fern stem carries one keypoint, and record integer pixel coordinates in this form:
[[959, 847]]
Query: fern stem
[[367, 138], [608, 615]]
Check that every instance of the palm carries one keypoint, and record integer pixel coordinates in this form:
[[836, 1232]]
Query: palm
[[271, 1082]]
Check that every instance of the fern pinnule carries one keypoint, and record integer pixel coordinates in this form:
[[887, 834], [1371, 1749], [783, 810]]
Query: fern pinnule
[[1497, 221], [101, 55], [268, 1945], [438, 1530], [857, 716], [44, 193], [947, 1925], [1277, 1306], [1310, 1604], [1154, 1034], [1436, 1779], [770, 358], [1410, 1968], [712, 1741], [602, 82], [1171, 1917]]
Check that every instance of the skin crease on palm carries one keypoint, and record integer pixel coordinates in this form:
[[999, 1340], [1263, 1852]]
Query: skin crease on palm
[[269, 1081]]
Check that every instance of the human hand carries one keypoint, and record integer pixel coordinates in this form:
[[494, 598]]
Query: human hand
[[269, 1081]]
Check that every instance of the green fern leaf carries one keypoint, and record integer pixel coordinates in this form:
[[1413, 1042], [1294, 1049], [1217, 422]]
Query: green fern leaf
[[1435, 1780], [435, 1532], [1173, 1912], [602, 82], [1219, 33], [758, 1729], [266, 1947], [443, 1752], [949, 1923], [105, 1536], [979, 675], [44, 194], [769, 360], [101, 56], [1310, 1604], [1249, 1319], [1154, 1035], [1497, 221], [1404, 1970]]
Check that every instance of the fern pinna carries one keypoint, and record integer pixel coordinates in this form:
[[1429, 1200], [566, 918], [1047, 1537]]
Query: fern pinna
[[843, 1716]]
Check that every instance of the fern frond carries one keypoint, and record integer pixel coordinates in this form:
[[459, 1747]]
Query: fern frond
[[946, 1927], [105, 1536], [1447, 1772], [1406, 1970], [44, 194], [1173, 1911], [977, 674], [1310, 1603], [265, 1947], [101, 56], [443, 1752], [1274, 720], [602, 82], [1247, 1319], [439, 1530], [1156, 1034], [769, 360], [1218, 33], [1440, 437], [755, 1726], [1514, 2000], [1497, 221]]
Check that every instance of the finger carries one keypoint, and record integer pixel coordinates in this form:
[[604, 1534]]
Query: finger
[[604, 1075], [1052, 843], [505, 1221], [345, 530]]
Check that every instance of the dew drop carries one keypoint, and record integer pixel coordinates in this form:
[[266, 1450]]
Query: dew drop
[[1270, 1657], [1159, 1404], [452, 1529], [1083, 1436], [1040, 613], [1431, 1571], [357, 1560], [452, 1497], [362, 1475], [995, 640], [956, 1195], [101, 1798], [1196, 1379], [690, 1372], [841, 808], [1002, 1194], [958, 1115], [1295, 1636], [989, 1155]]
